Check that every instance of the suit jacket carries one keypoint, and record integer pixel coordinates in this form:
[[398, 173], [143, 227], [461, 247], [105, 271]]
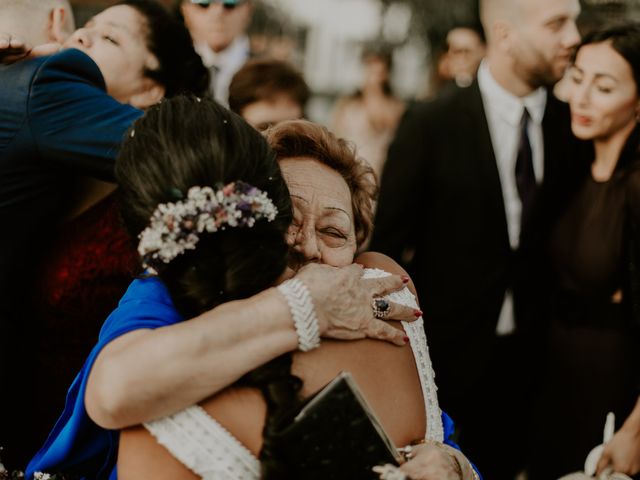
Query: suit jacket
[[441, 197], [56, 122]]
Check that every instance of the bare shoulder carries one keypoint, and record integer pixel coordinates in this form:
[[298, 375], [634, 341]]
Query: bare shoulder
[[141, 456], [383, 262]]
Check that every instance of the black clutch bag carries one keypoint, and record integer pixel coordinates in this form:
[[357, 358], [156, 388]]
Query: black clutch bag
[[336, 435]]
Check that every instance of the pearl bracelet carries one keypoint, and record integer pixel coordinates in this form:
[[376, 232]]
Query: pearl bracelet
[[298, 297]]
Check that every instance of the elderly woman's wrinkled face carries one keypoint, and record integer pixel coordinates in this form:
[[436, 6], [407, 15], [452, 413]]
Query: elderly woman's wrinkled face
[[323, 228]]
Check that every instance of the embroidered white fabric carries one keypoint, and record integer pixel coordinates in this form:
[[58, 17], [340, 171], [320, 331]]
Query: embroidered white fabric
[[204, 446], [212, 452], [418, 342]]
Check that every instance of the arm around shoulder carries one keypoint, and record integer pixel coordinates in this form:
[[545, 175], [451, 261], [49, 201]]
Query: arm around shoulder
[[146, 374], [160, 368], [74, 122], [386, 263]]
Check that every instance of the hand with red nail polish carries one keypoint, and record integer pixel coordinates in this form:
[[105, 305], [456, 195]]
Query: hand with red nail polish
[[344, 303]]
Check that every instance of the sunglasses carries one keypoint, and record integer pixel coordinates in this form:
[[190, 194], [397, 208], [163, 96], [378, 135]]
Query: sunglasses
[[227, 4]]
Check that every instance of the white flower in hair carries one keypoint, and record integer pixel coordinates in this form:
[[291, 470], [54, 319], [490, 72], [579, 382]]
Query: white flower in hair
[[176, 226]]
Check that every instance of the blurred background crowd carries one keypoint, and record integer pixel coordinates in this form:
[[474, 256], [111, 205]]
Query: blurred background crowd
[[412, 47], [319, 37]]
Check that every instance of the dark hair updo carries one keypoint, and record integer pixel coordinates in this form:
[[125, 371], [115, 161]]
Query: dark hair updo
[[180, 68], [185, 142]]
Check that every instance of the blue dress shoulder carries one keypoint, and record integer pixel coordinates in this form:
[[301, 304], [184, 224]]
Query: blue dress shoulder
[[76, 444]]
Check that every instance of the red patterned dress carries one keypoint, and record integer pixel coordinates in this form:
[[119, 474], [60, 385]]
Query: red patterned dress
[[90, 265]]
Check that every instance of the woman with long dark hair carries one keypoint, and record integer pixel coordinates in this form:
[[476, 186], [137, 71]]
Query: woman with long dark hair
[[592, 355]]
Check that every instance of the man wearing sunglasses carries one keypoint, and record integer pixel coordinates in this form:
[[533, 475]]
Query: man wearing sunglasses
[[218, 28]]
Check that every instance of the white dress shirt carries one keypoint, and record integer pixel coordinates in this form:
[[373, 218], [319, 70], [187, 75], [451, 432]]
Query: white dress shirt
[[504, 112], [224, 65]]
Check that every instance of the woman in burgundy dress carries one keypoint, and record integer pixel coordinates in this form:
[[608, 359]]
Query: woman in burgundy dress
[[592, 356]]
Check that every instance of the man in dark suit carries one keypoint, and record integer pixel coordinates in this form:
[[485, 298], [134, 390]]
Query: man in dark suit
[[469, 189]]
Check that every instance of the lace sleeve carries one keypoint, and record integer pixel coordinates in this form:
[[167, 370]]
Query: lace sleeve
[[418, 341], [204, 446]]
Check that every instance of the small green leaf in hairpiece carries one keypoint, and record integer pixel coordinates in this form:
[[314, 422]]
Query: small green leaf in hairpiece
[[175, 193]]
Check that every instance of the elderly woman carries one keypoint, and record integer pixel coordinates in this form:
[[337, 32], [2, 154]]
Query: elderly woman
[[332, 195]]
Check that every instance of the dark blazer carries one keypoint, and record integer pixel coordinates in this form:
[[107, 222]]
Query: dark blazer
[[56, 122], [441, 198]]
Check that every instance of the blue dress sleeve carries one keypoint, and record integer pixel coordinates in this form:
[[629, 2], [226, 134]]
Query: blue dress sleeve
[[74, 122], [449, 429], [76, 444]]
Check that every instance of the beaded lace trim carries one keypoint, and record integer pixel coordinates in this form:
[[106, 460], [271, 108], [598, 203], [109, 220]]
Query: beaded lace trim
[[418, 341], [204, 446], [212, 452]]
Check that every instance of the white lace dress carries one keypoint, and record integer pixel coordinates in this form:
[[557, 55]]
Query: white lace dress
[[212, 452]]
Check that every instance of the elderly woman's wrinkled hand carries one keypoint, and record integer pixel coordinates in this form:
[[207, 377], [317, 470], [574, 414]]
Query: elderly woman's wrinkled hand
[[343, 301]]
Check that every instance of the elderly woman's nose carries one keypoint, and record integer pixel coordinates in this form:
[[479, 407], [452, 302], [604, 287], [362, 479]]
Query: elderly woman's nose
[[307, 244]]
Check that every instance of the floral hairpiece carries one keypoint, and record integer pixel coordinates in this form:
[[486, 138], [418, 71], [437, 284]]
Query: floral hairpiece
[[176, 226]]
